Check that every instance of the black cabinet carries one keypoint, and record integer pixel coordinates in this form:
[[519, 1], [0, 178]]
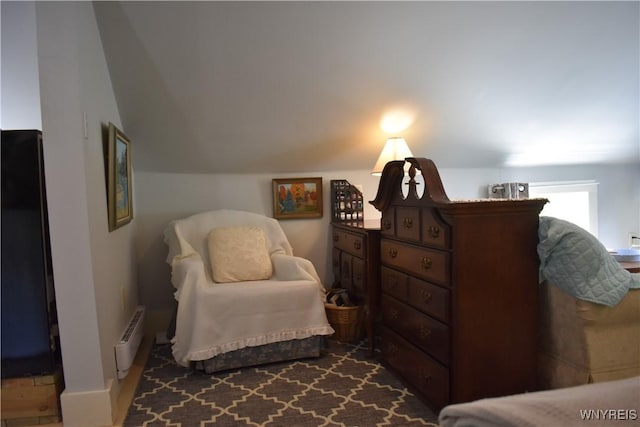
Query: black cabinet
[[28, 303]]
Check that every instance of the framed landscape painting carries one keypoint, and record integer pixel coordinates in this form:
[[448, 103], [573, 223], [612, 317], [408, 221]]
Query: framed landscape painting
[[295, 198], [119, 197]]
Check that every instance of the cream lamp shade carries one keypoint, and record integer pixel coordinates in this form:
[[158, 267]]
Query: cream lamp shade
[[394, 149]]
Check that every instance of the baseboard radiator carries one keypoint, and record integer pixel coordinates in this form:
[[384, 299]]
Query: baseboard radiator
[[129, 343]]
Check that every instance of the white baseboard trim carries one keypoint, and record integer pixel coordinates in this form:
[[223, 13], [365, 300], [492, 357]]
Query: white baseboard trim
[[95, 408]]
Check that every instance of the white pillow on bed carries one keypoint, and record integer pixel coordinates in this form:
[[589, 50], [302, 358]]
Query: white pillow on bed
[[239, 254]]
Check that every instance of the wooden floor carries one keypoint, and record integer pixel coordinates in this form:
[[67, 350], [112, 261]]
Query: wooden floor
[[129, 385]]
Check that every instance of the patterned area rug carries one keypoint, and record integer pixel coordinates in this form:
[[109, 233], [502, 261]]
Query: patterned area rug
[[342, 388]]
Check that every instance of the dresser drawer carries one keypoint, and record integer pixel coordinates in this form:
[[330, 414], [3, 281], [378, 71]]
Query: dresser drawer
[[394, 283], [423, 331], [345, 270], [359, 278], [335, 263], [434, 231], [429, 264], [388, 223], [408, 223], [349, 242], [429, 298], [429, 377]]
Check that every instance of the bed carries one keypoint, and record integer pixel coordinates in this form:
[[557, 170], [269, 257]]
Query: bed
[[589, 310], [611, 403]]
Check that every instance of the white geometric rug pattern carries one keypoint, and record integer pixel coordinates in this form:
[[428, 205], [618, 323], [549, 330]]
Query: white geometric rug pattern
[[342, 388]]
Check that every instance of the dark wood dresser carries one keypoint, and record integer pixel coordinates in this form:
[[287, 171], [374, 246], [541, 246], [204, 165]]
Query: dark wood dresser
[[356, 266], [459, 287], [631, 266]]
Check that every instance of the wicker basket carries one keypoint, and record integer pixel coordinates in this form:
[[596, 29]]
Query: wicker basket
[[346, 321]]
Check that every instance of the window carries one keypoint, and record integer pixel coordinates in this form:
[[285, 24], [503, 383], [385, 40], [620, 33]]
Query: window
[[576, 202]]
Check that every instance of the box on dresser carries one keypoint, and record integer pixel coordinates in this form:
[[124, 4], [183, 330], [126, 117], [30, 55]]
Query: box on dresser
[[459, 287]]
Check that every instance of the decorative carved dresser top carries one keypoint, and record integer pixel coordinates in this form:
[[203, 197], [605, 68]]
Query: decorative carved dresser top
[[459, 287], [422, 186]]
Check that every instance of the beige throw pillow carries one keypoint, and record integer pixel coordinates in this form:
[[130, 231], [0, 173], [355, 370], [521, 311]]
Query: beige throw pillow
[[239, 254]]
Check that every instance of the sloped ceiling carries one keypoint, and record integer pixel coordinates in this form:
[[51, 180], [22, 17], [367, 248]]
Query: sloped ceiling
[[262, 87]]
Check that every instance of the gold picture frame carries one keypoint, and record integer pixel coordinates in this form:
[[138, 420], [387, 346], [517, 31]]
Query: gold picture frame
[[297, 198], [119, 191]]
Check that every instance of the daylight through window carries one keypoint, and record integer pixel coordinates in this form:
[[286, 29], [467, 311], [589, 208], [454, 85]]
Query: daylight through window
[[576, 202]]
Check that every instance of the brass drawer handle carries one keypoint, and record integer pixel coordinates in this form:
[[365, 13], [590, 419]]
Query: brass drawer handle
[[434, 231], [393, 252], [357, 244], [407, 222], [425, 332], [336, 238], [386, 224], [426, 262], [426, 296]]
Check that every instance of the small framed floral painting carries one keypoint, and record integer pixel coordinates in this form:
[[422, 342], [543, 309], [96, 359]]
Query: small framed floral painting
[[119, 197], [295, 198]]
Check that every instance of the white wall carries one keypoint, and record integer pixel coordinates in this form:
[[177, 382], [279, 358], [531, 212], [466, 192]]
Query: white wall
[[91, 266], [162, 197], [54, 71], [19, 88], [618, 195]]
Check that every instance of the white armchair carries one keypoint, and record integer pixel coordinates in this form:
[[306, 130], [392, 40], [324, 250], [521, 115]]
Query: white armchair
[[256, 307]]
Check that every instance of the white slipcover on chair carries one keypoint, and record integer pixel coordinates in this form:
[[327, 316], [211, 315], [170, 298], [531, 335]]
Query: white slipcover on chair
[[215, 318]]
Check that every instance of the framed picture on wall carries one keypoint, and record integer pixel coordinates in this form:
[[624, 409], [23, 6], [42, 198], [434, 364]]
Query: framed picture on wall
[[119, 192], [295, 198]]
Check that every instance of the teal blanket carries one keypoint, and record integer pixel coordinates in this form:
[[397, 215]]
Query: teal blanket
[[574, 260]]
